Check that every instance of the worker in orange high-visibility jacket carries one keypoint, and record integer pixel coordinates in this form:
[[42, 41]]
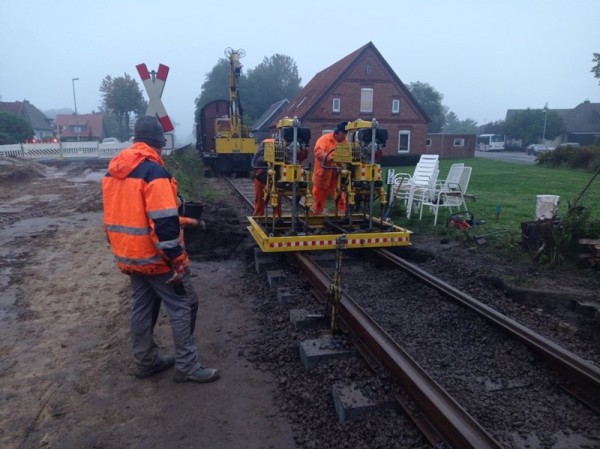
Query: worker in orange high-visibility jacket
[[143, 228], [325, 180], [260, 181]]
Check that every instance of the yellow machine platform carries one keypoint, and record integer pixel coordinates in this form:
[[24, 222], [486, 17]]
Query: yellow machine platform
[[323, 231]]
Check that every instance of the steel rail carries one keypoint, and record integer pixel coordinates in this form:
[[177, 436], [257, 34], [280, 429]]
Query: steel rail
[[452, 422], [584, 375]]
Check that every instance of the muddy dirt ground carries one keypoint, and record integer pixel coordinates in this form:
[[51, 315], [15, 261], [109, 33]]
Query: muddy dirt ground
[[65, 367]]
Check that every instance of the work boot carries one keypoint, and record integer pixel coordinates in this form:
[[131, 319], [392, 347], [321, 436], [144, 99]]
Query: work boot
[[162, 364], [201, 375]]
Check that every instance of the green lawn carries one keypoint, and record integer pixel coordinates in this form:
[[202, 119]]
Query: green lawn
[[514, 188]]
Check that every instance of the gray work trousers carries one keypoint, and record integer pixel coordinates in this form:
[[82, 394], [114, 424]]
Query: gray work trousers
[[145, 289]]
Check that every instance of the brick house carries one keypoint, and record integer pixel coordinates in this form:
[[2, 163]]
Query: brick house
[[362, 85], [83, 127]]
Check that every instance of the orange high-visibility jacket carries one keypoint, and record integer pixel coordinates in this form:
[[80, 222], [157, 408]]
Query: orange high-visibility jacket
[[140, 212], [324, 178]]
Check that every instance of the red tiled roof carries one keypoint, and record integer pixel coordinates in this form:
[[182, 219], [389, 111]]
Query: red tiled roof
[[93, 124], [14, 107], [29, 112], [318, 86], [322, 82]]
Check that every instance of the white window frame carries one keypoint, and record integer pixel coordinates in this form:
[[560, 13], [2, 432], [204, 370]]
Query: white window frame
[[459, 142], [395, 106], [366, 106], [402, 132], [368, 68], [427, 142], [333, 104]]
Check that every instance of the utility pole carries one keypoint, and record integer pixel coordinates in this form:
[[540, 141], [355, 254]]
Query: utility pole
[[75, 104], [545, 116]]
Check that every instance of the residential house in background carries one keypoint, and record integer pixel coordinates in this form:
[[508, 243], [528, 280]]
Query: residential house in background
[[261, 128], [581, 124], [83, 127], [362, 85], [42, 125]]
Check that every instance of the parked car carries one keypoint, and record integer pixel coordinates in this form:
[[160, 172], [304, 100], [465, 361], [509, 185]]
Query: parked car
[[110, 140], [570, 144], [537, 148]]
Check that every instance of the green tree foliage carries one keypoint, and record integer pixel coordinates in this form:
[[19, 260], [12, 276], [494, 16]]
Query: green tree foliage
[[216, 85], [596, 69], [274, 79], [122, 96], [431, 101], [14, 128], [456, 126], [528, 125], [496, 127]]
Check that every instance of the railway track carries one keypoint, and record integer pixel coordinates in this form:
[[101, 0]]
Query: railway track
[[445, 420]]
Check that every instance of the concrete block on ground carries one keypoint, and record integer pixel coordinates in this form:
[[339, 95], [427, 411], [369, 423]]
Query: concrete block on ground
[[264, 262], [302, 319], [284, 295], [275, 278], [312, 352], [351, 402]]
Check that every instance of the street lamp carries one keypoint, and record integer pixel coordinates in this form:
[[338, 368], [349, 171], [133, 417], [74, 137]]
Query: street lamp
[[75, 103], [544, 131]]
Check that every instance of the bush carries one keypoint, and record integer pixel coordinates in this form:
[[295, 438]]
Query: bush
[[586, 158]]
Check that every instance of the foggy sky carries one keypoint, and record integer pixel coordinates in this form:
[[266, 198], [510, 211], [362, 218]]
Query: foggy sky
[[483, 56]]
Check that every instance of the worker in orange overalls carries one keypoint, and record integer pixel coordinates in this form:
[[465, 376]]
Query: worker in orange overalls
[[325, 180], [260, 181]]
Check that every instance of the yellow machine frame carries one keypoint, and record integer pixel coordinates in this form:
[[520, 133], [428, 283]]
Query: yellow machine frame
[[290, 232], [285, 176]]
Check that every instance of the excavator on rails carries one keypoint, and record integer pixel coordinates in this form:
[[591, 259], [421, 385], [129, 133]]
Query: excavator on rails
[[224, 142]]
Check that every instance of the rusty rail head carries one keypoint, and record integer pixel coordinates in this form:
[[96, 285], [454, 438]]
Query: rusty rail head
[[451, 421], [584, 375]]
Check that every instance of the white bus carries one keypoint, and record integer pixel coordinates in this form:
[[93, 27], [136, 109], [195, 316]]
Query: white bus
[[490, 142]]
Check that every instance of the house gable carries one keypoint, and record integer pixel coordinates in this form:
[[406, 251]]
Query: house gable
[[369, 70], [392, 103]]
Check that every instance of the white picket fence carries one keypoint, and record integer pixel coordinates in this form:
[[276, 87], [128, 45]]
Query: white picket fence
[[66, 150]]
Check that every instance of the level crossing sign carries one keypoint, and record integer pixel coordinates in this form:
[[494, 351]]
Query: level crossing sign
[[154, 82]]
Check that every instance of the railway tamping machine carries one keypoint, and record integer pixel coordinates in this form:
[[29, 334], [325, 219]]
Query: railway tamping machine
[[359, 179]]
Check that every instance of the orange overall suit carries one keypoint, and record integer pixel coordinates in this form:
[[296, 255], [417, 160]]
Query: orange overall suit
[[325, 180]]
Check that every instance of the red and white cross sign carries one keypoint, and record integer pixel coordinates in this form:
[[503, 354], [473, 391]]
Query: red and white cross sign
[[155, 85]]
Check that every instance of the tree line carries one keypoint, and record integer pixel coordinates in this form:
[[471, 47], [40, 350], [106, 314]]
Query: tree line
[[275, 78]]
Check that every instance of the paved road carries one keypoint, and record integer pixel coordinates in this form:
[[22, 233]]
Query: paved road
[[507, 156]]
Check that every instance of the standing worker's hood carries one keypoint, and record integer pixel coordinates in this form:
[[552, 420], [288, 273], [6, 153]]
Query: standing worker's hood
[[127, 160]]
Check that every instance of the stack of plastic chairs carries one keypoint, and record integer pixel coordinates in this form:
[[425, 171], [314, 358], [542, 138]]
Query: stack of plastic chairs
[[415, 189]]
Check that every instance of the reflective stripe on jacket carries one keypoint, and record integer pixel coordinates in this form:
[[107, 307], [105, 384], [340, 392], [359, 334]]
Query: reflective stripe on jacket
[[140, 212], [324, 178]]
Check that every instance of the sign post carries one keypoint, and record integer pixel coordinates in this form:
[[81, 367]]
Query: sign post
[[154, 82], [391, 175]]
